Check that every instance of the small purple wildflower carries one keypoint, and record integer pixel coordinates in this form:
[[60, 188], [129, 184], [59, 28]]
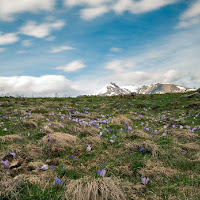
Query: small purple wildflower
[[52, 167], [72, 157], [88, 148], [104, 164], [5, 163], [44, 167], [101, 172], [142, 149], [144, 180], [58, 181], [63, 169], [130, 128]]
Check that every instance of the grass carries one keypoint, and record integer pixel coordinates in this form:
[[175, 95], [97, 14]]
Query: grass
[[57, 131]]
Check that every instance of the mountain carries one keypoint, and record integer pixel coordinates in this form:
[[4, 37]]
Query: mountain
[[161, 88], [112, 89]]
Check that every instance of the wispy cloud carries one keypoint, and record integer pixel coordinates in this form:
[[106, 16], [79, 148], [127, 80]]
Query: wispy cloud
[[191, 16], [97, 8], [26, 43], [42, 30], [115, 49], [72, 66], [61, 48], [8, 38], [10, 7]]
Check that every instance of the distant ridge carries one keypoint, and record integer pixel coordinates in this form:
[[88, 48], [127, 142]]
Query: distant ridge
[[112, 89]]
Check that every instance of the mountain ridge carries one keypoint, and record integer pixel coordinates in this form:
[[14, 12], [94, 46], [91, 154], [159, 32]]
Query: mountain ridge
[[113, 89]]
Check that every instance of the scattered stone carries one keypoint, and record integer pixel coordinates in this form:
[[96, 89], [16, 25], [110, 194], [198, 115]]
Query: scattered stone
[[15, 164]]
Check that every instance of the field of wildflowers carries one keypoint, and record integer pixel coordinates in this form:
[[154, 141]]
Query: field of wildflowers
[[100, 148]]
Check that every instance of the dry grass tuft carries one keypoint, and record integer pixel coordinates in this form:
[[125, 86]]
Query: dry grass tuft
[[57, 142], [9, 138], [29, 125], [150, 147], [120, 120], [91, 140], [84, 130], [34, 151], [96, 189], [10, 187], [156, 170]]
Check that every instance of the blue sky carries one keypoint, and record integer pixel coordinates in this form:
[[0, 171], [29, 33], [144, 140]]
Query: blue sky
[[73, 47]]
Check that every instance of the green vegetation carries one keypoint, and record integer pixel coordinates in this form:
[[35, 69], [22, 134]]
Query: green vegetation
[[89, 148]]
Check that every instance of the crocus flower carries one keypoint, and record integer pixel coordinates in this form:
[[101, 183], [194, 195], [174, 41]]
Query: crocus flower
[[58, 181], [181, 127], [88, 148], [52, 167], [13, 154], [5, 163], [100, 134], [111, 141], [101, 172], [144, 180], [142, 149], [173, 126], [44, 167], [130, 128], [72, 156], [121, 129], [104, 163], [164, 134]]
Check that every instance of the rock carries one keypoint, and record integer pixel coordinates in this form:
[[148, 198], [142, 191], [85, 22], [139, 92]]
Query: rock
[[15, 164]]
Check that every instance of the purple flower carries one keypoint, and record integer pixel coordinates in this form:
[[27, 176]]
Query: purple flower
[[147, 129], [52, 167], [181, 127], [121, 129], [58, 181], [111, 141], [44, 167], [101, 172], [104, 164], [164, 134], [100, 134], [130, 128], [5, 163], [173, 126], [144, 180], [63, 169], [142, 149], [72, 157], [88, 148]]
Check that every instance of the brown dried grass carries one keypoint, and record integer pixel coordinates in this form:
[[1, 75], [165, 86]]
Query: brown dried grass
[[9, 138], [120, 120], [150, 147], [95, 189]]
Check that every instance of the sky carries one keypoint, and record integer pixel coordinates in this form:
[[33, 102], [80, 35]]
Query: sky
[[76, 47]]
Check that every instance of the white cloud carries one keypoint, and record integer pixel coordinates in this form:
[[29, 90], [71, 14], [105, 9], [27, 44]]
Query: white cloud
[[51, 38], [115, 49], [10, 7], [71, 67], [120, 66], [46, 85], [142, 6], [21, 52], [31, 28], [2, 50], [61, 48], [97, 8], [26, 43], [191, 16], [8, 38], [93, 12]]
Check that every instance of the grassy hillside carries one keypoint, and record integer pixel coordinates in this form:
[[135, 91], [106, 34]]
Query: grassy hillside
[[99, 148]]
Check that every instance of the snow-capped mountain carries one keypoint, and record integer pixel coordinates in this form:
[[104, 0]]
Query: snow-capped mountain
[[112, 89], [161, 88]]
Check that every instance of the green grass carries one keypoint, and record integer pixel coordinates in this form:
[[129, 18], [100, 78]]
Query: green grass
[[18, 116]]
